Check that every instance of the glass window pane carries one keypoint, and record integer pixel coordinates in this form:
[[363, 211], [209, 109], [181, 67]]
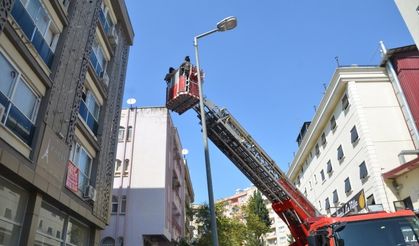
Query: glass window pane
[[84, 162], [42, 240], [7, 75], [24, 99], [77, 234], [9, 233], [50, 224], [14, 200], [33, 8]]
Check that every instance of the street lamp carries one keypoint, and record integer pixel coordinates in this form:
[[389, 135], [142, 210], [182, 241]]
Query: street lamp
[[224, 25]]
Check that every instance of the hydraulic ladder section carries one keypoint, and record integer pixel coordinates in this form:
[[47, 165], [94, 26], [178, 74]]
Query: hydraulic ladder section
[[233, 140]]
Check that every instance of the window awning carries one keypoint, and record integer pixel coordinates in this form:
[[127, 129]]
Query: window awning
[[404, 168]]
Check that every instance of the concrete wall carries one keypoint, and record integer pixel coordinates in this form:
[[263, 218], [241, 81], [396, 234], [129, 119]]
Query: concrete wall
[[410, 13]]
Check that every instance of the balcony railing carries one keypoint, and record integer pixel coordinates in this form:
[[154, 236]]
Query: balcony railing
[[88, 117], [25, 22], [96, 65], [16, 121], [105, 24]]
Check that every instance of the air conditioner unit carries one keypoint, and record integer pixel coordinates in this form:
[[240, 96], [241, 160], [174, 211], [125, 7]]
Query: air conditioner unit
[[2, 111], [90, 193], [113, 37], [105, 78]]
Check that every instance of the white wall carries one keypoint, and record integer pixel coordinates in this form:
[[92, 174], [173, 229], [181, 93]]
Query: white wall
[[409, 12]]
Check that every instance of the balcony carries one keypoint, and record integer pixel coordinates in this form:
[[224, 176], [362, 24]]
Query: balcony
[[88, 117], [96, 65], [104, 22], [16, 121], [28, 27]]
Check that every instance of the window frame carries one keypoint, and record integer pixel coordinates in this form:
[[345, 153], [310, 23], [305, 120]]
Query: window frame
[[327, 204], [121, 137], [363, 166], [333, 124], [322, 175], [114, 204], [323, 139], [354, 135], [76, 164], [335, 196], [340, 153], [348, 186], [345, 102], [329, 167]]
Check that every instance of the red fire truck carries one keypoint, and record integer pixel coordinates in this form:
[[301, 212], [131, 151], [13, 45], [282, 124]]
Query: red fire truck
[[306, 224]]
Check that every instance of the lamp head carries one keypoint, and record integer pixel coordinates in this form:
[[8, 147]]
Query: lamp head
[[227, 24]]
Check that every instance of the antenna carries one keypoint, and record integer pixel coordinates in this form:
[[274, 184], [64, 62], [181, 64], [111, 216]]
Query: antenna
[[337, 61], [131, 101]]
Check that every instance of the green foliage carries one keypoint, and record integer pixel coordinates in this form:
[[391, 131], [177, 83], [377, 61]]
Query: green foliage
[[257, 220], [247, 228]]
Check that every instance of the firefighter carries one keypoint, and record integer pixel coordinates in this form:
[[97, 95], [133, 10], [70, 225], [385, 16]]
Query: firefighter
[[169, 75]]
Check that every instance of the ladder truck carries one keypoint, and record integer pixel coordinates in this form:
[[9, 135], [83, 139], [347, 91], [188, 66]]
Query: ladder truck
[[306, 224]]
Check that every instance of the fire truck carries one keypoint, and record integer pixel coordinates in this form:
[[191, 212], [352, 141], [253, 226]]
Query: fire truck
[[306, 224]]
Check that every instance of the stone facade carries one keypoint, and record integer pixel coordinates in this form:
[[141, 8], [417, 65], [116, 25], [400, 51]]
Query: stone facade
[[58, 153]]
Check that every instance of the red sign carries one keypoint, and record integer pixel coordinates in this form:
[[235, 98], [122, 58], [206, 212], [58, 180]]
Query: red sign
[[72, 181]]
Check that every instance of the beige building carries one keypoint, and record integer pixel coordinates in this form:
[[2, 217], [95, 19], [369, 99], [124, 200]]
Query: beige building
[[234, 204], [62, 75], [152, 187], [409, 9], [355, 136]]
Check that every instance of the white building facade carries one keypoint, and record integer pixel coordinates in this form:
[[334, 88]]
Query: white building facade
[[151, 181], [409, 9], [355, 136]]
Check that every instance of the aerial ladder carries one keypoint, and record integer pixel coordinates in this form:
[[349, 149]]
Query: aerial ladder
[[306, 224]]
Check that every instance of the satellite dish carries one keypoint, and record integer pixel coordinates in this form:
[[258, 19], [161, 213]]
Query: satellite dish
[[185, 151], [131, 101]]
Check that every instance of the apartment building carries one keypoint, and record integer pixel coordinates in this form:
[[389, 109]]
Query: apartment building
[[151, 187], [355, 136], [233, 208], [410, 13], [62, 74]]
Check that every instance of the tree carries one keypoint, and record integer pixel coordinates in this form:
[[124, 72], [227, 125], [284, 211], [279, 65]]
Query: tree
[[257, 220], [231, 232]]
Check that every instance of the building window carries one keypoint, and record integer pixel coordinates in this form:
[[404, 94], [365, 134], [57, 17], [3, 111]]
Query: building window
[[13, 201], [363, 172], [50, 231], [322, 175], [345, 102], [329, 167], [38, 27], [123, 204], [114, 204], [327, 204], [315, 178], [83, 161], [129, 133], [323, 139], [77, 233], [371, 200], [108, 241], [341, 155], [317, 150], [105, 19], [19, 103], [97, 58], [89, 110], [333, 123], [335, 196], [121, 133], [57, 222], [311, 187], [354, 135], [126, 165], [348, 187], [118, 164]]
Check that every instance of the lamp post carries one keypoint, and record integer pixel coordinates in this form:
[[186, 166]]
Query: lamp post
[[224, 25]]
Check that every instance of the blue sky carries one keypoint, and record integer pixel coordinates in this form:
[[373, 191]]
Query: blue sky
[[268, 72]]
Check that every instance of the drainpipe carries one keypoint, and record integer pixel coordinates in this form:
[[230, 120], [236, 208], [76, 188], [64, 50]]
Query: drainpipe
[[407, 152], [396, 83]]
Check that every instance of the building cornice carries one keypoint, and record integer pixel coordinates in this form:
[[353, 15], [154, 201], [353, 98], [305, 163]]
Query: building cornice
[[336, 87]]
